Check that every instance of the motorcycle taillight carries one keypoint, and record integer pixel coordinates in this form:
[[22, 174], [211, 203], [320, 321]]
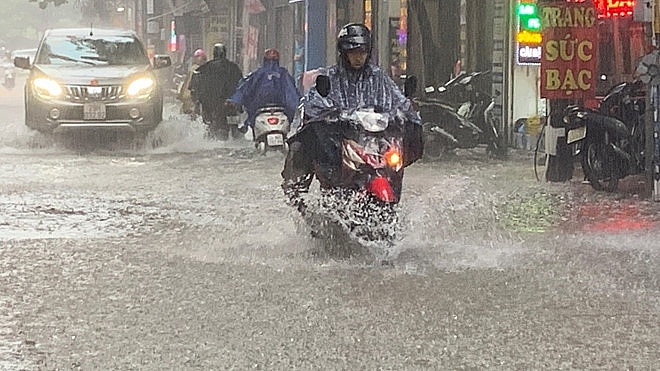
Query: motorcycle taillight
[[273, 120]]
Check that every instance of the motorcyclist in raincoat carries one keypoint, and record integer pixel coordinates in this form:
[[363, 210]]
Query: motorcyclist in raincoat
[[270, 84], [212, 83], [354, 83]]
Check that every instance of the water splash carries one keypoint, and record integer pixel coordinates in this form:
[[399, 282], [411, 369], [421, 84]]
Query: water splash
[[353, 221]]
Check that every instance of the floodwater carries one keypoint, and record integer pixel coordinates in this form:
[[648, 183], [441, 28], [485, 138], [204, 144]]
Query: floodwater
[[185, 256]]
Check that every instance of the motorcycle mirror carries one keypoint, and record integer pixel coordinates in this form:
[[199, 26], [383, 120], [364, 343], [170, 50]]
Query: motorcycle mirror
[[323, 85], [410, 86], [162, 61]]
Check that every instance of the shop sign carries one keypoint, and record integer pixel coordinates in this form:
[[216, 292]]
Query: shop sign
[[529, 54], [528, 37], [615, 8], [568, 61]]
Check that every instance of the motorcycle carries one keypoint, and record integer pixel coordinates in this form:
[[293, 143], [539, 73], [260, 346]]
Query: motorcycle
[[359, 199], [361, 204], [271, 127], [609, 140], [10, 78], [458, 114], [178, 78]]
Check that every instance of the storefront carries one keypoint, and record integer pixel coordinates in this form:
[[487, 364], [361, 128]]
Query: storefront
[[386, 19], [621, 42]]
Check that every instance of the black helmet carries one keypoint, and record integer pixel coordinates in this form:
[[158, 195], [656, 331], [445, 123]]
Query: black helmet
[[354, 36], [219, 51]]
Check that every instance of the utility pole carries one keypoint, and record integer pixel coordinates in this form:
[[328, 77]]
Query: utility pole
[[651, 136], [648, 71], [652, 129]]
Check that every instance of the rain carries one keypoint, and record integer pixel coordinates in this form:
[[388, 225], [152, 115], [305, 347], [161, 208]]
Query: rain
[[183, 253]]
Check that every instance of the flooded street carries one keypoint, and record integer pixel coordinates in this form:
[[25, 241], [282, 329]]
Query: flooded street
[[185, 256]]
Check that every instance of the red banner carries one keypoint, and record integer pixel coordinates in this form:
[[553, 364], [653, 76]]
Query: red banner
[[570, 40]]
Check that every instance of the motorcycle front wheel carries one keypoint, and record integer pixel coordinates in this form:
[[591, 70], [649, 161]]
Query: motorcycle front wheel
[[496, 147], [598, 167], [436, 146]]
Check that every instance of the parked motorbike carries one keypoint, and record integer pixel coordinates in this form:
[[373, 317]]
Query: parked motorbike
[[610, 140], [458, 115], [271, 127]]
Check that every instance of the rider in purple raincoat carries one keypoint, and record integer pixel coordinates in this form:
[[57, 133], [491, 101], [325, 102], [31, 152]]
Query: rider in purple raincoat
[[271, 84]]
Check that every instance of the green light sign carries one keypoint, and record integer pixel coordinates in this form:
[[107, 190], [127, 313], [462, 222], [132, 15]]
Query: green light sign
[[528, 17]]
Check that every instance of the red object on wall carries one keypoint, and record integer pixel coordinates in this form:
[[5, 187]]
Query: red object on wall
[[619, 8], [570, 40], [611, 8]]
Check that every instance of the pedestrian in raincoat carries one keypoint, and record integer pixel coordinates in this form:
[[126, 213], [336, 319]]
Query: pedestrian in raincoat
[[185, 95], [270, 84], [354, 83]]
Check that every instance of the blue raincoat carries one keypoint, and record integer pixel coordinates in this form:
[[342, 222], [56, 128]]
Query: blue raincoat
[[269, 84]]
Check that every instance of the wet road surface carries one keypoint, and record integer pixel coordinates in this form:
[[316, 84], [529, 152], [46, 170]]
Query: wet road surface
[[186, 257]]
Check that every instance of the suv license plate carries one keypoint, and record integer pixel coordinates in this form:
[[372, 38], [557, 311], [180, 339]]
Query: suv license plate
[[94, 111], [275, 139]]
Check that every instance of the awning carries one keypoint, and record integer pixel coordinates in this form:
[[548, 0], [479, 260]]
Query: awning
[[196, 6], [254, 6], [190, 6]]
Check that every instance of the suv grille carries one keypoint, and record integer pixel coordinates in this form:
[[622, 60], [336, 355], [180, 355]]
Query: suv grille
[[75, 93]]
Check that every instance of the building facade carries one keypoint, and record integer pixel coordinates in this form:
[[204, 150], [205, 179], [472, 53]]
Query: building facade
[[431, 39]]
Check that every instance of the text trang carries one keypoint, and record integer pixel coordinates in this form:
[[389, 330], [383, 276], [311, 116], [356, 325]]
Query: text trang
[[569, 50]]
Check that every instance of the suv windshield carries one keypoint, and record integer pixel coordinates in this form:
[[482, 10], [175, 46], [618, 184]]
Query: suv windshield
[[92, 50]]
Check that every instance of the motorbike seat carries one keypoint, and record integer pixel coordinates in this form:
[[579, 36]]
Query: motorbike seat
[[271, 108], [609, 123]]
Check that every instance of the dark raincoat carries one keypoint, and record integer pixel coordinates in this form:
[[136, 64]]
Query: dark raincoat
[[215, 81], [270, 84]]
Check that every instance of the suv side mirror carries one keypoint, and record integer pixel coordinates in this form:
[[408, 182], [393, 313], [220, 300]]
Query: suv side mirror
[[410, 86], [22, 62], [162, 61]]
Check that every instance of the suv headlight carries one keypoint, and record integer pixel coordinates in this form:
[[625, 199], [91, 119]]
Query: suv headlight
[[141, 87], [47, 88]]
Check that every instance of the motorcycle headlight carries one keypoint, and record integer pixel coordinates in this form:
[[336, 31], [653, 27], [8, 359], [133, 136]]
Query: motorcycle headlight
[[47, 88], [141, 87]]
